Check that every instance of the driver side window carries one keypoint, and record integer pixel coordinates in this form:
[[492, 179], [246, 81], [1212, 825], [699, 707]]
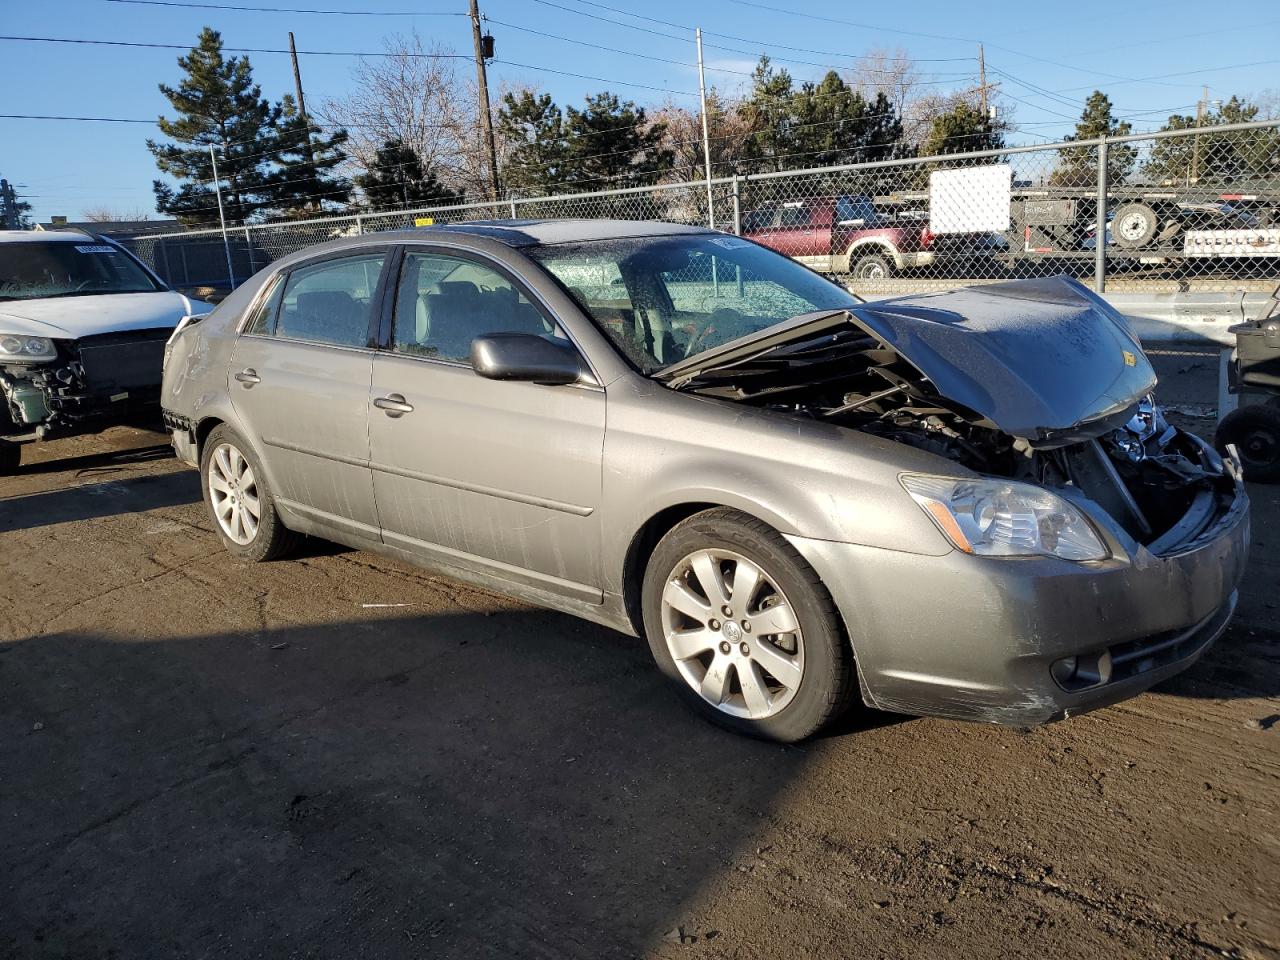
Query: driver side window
[[443, 303]]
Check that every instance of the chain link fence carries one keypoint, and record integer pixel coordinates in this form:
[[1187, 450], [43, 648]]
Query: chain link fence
[[1195, 209]]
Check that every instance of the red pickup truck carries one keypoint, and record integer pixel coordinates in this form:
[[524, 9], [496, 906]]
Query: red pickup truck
[[843, 234]]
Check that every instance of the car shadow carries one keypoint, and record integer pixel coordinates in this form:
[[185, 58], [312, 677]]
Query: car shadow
[[88, 501], [458, 785], [108, 461]]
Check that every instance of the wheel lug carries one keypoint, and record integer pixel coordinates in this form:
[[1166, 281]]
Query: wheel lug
[[746, 626], [746, 650], [727, 610], [724, 647], [714, 624]]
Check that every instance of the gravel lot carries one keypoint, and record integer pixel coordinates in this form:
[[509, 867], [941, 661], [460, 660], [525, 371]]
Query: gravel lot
[[342, 756]]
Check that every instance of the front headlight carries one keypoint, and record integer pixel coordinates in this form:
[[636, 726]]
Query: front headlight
[[17, 348], [1002, 518]]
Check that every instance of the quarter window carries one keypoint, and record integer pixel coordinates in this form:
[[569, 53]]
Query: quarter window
[[330, 302], [263, 323], [443, 303]]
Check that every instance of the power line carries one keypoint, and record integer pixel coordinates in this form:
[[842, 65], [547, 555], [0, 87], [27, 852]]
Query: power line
[[188, 47], [247, 9]]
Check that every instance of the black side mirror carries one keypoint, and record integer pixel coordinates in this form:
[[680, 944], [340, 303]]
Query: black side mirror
[[526, 356]]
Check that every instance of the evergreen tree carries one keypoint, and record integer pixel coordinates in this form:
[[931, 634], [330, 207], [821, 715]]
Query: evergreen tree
[[1210, 156], [1079, 165], [14, 213], [532, 128], [768, 111], [397, 180], [305, 182], [962, 129], [611, 140], [218, 104]]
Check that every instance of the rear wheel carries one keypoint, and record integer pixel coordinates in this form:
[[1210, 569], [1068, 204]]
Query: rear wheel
[[10, 457], [871, 266], [1135, 225], [239, 499], [1255, 431], [745, 628]]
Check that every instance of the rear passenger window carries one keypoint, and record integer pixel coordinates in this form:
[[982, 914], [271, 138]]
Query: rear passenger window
[[443, 303], [263, 323], [330, 302]]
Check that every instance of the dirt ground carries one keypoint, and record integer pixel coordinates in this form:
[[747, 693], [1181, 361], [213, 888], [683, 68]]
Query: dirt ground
[[342, 756]]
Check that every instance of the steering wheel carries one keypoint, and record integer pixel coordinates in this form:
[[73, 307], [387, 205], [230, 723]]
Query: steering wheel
[[726, 316]]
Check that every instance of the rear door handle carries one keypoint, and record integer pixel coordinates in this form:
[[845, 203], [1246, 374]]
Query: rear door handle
[[248, 376], [393, 405]]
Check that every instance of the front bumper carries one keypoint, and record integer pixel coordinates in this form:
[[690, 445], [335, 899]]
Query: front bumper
[[976, 638]]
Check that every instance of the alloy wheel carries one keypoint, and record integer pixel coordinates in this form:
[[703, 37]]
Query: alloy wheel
[[732, 633], [233, 493]]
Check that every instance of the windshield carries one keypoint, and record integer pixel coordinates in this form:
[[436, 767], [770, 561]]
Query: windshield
[[667, 298], [31, 270]]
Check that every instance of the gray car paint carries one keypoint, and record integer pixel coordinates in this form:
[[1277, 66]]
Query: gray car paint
[[934, 631]]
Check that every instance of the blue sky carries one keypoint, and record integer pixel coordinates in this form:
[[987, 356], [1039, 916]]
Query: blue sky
[[1151, 57]]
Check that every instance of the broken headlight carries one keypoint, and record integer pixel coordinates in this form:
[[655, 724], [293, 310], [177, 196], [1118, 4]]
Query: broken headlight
[[18, 348], [1002, 518]]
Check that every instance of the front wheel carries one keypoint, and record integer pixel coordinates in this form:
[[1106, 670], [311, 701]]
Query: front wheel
[[871, 266], [745, 628], [1255, 431], [240, 501]]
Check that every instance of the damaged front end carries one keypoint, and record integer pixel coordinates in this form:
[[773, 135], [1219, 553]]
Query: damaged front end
[[82, 384], [1037, 382]]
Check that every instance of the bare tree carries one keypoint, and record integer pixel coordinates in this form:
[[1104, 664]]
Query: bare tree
[[728, 131], [110, 215], [417, 96], [892, 73]]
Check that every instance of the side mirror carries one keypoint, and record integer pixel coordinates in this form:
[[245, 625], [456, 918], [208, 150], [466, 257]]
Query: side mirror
[[525, 356]]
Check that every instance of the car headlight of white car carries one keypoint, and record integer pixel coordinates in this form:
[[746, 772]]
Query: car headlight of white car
[[19, 348], [1003, 518]]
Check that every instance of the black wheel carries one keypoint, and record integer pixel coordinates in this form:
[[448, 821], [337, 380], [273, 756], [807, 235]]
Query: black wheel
[[240, 502], [10, 457], [1135, 225], [1255, 431], [871, 266], [745, 628]]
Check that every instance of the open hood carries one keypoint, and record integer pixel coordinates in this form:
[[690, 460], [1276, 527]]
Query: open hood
[[1045, 360], [70, 318]]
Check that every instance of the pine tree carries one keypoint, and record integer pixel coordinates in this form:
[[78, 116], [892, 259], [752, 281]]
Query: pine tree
[[1079, 165], [218, 104], [532, 128], [1215, 157], [397, 180], [769, 112], [962, 129], [14, 213], [611, 140], [305, 183]]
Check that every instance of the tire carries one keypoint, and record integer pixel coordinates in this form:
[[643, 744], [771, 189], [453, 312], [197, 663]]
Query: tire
[[266, 538], [10, 457], [814, 661], [871, 266], [1134, 226], [1255, 431]]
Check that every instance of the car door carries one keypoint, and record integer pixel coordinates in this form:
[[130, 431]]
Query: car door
[[299, 380], [496, 476], [803, 232]]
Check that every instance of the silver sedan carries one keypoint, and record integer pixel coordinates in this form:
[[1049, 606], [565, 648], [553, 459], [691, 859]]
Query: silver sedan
[[965, 504]]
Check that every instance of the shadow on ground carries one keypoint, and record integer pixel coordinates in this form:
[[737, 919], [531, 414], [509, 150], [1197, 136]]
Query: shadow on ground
[[87, 501]]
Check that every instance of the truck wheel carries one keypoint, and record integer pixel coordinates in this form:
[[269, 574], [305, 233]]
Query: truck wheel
[[1255, 431], [745, 629], [871, 266], [1135, 225], [10, 457]]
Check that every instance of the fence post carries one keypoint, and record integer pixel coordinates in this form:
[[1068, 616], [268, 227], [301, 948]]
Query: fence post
[[737, 206], [359, 226], [513, 209], [248, 249], [1100, 224]]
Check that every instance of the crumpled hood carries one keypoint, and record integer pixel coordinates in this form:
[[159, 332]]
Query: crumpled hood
[[1046, 360], [70, 318]]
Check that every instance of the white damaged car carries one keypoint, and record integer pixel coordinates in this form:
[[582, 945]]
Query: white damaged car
[[83, 326]]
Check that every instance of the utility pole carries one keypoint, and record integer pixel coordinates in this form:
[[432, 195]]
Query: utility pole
[[482, 80], [706, 139], [302, 109], [1201, 106], [982, 81], [226, 244]]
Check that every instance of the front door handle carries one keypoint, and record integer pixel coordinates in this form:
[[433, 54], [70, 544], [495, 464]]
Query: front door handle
[[248, 376], [393, 405]]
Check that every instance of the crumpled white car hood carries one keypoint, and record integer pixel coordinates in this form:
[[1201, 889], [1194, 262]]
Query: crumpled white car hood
[[70, 318]]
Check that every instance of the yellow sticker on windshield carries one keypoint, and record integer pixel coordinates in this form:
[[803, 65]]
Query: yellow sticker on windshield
[[1129, 359]]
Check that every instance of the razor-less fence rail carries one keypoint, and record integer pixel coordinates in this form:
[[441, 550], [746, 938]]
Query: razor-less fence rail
[[1186, 210]]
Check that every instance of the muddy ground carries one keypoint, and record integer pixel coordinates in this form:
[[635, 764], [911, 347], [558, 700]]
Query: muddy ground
[[342, 756]]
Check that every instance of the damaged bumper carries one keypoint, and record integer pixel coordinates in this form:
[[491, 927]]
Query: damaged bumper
[[1031, 640]]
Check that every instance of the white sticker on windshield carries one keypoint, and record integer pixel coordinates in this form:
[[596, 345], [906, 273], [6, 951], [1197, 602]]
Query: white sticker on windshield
[[730, 243], [95, 249]]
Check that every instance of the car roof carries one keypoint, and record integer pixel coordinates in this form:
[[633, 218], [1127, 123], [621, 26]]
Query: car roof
[[44, 236], [529, 233]]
